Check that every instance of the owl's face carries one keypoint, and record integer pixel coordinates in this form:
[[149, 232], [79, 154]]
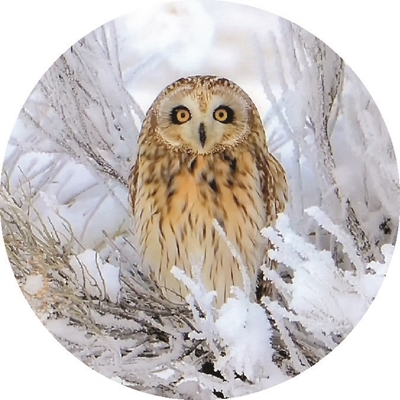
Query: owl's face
[[202, 114]]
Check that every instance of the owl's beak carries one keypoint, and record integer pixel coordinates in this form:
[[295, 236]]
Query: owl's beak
[[202, 135]]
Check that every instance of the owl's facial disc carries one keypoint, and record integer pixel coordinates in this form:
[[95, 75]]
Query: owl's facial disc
[[201, 121], [203, 131]]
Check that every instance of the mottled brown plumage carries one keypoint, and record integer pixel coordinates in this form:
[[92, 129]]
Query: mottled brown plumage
[[203, 156]]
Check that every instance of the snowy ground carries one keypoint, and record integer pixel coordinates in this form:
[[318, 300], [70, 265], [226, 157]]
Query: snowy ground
[[69, 157]]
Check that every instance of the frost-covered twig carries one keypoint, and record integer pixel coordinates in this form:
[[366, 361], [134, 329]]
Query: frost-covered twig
[[320, 295], [343, 237], [82, 75]]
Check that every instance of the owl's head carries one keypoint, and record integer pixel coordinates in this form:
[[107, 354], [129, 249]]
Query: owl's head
[[203, 114]]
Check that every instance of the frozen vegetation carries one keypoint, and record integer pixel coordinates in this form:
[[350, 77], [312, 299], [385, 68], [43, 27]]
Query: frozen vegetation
[[68, 227]]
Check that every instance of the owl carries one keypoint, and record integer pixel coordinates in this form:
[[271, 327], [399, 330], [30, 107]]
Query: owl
[[203, 157]]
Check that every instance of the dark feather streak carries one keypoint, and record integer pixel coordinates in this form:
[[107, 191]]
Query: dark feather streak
[[213, 185]]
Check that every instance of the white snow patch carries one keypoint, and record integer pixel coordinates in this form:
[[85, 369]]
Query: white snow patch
[[62, 328], [165, 373], [34, 284], [244, 328], [97, 277]]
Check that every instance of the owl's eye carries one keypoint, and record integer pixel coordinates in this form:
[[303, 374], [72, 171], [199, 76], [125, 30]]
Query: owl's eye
[[180, 115], [224, 114]]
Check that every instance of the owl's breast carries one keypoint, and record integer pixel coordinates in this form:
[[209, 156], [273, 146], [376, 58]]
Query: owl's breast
[[220, 187], [177, 228]]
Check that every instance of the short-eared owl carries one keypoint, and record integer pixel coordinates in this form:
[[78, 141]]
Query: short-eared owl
[[203, 156]]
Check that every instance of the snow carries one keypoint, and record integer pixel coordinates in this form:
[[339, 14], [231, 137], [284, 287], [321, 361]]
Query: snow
[[246, 332], [165, 373], [243, 330], [34, 284], [99, 278], [326, 300]]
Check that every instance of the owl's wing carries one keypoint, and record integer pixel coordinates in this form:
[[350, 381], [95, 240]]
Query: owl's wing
[[273, 185], [132, 182], [275, 193]]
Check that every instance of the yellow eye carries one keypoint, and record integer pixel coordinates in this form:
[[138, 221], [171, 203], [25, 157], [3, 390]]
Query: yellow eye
[[221, 115], [224, 114], [180, 115]]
